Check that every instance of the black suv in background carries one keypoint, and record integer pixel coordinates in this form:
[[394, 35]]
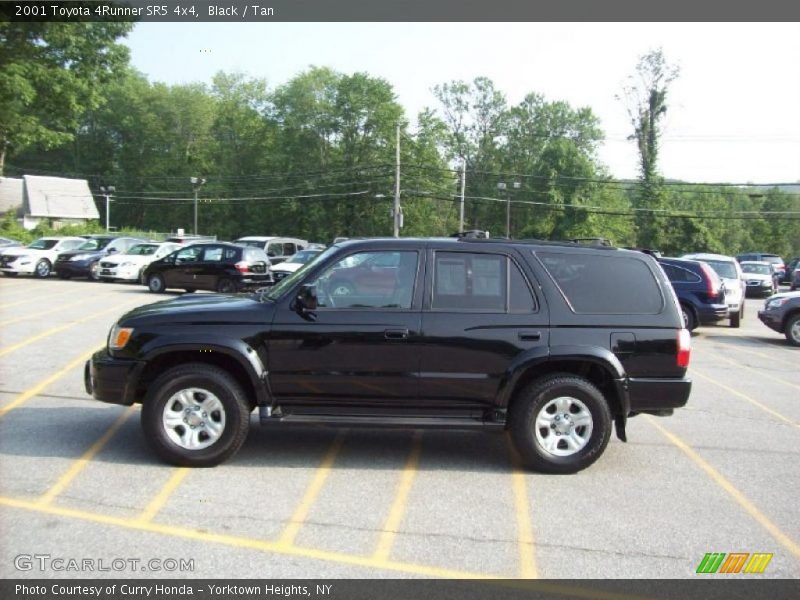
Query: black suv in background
[[553, 342], [214, 266], [84, 260], [700, 291]]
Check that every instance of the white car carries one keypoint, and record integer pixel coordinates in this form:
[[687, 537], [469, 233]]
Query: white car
[[728, 269], [38, 257], [293, 263], [278, 249], [129, 266], [759, 276]]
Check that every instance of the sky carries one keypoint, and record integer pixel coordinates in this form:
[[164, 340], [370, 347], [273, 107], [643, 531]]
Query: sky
[[733, 113]]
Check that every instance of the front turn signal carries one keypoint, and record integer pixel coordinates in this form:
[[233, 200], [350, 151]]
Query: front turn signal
[[119, 336]]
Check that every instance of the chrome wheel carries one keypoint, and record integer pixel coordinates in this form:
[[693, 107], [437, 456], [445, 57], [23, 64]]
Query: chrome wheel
[[193, 418], [794, 331], [564, 426], [94, 270], [43, 268]]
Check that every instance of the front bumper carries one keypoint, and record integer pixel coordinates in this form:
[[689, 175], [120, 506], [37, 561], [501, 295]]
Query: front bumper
[[760, 288], [647, 395], [18, 267], [75, 268], [126, 273], [772, 319], [110, 379]]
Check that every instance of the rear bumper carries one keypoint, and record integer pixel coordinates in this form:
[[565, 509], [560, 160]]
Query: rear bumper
[[711, 313], [110, 379], [658, 394]]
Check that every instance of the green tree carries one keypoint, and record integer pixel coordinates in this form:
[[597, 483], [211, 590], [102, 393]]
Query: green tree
[[51, 74]]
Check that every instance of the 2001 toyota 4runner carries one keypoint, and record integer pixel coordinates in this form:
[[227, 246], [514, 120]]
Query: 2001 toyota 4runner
[[550, 341]]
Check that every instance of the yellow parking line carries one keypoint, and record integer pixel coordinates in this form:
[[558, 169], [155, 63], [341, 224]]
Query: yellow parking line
[[42, 385], [392, 524], [769, 376], [49, 311], [80, 464], [31, 298], [757, 353], [58, 328], [726, 485], [299, 516], [157, 503], [525, 539], [739, 394], [312, 553]]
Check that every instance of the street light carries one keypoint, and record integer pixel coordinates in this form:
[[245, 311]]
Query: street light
[[502, 186], [197, 183], [107, 190]]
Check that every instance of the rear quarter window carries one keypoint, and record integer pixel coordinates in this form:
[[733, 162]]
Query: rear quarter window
[[598, 284]]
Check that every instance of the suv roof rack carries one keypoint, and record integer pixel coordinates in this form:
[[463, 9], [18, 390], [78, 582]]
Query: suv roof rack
[[567, 243], [651, 251], [471, 234]]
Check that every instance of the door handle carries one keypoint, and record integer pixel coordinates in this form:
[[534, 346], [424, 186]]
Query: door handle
[[395, 334], [530, 337]]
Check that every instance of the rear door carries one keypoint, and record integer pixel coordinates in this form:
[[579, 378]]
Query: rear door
[[479, 313]]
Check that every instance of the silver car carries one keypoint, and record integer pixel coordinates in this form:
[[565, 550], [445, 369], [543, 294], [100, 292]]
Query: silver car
[[728, 269]]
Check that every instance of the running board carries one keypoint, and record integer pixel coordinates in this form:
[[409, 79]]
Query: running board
[[378, 421]]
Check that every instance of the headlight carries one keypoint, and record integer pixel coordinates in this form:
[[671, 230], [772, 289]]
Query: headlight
[[127, 264], [119, 336], [80, 257], [775, 303]]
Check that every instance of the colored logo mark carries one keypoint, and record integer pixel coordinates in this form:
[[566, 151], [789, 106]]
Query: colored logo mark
[[735, 562]]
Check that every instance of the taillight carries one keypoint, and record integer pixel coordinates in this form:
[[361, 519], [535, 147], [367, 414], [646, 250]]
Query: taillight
[[242, 267], [684, 348], [713, 290]]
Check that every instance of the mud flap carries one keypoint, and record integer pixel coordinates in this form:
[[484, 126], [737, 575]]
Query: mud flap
[[619, 422]]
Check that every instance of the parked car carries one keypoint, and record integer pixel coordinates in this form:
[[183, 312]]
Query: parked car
[[38, 257], [700, 291], [781, 313], [8, 243], [553, 342], [773, 259], [84, 261], [130, 265], [731, 274], [794, 284], [278, 249], [759, 276], [791, 266], [191, 239], [215, 266], [293, 263]]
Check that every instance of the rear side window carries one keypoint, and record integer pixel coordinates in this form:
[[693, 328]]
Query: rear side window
[[482, 282], [611, 285], [680, 275]]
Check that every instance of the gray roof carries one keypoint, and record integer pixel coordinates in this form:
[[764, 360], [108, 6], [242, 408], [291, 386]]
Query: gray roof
[[10, 194], [58, 197]]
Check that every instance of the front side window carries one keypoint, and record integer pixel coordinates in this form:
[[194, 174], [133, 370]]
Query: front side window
[[188, 255], [379, 279]]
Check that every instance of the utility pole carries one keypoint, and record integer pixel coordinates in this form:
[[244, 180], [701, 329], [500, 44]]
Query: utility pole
[[463, 187], [396, 214], [196, 182], [107, 190]]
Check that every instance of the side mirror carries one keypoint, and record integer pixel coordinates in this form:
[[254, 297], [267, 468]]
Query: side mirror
[[112, 250], [307, 298]]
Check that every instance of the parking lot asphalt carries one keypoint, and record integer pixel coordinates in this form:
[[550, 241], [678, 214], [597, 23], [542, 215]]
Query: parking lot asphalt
[[78, 482]]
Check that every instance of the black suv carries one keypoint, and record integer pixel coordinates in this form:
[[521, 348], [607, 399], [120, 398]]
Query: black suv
[[700, 291], [551, 341], [215, 266]]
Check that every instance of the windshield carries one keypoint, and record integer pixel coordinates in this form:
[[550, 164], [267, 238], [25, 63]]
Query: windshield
[[723, 268], [758, 269], [94, 244], [303, 256], [143, 249], [42, 244], [277, 290], [251, 243]]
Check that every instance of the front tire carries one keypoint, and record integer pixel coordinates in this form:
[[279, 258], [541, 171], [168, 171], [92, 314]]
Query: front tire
[[195, 415], [560, 423], [736, 320], [42, 270], [155, 283], [94, 271], [792, 330]]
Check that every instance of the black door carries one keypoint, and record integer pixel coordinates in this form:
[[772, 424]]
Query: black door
[[479, 316], [362, 346]]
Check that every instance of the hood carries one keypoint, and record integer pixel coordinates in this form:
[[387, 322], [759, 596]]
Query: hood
[[286, 267], [785, 295], [23, 251], [219, 309], [89, 253]]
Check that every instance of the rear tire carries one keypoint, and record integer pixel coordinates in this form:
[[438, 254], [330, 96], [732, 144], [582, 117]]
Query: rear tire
[[560, 423], [226, 286], [689, 321], [175, 430], [190, 290], [792, 330]]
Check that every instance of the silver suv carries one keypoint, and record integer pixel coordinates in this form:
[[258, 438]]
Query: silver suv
[[781, 313]]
